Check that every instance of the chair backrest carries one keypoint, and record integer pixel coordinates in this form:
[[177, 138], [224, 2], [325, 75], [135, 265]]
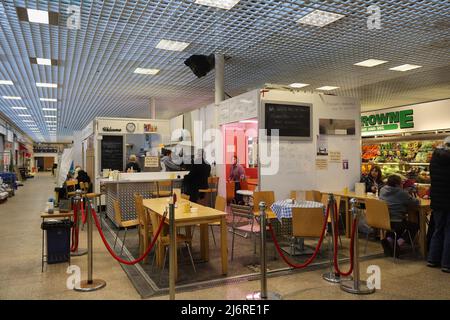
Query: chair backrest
[[313, 195], [377, 214], [221, 204], [307, 222], [213, 182], [252, 184], [117, 212], [154, 218], [298, 194], [140, 209], [267, 196], [165, 185], [242, 215], [244, 185], [84, 186], [325, 203]]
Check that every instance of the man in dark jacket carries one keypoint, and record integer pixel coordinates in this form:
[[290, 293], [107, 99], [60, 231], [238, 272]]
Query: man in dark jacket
[[197, 178], [439, 254]]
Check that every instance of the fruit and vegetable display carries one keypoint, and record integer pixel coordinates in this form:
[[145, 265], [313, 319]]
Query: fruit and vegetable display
[[409, 159]]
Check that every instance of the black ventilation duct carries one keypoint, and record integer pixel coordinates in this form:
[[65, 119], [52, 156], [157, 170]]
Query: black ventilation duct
[[200, 64]]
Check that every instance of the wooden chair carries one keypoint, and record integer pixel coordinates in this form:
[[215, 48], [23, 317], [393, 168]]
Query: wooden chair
[[306, 223], [313, 195], [220, 205], [252, 184], [70, 187], [163, 241], [122, 224], [269, 198], [213, 185], [377, 216], [163, 189], [230, 191], [145, 226]]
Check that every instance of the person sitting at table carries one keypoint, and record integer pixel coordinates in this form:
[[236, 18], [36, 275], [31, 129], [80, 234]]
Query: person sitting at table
[[167, 162], [374, 180], [399, 203], [132, 165], [197, 178], [237, 173]]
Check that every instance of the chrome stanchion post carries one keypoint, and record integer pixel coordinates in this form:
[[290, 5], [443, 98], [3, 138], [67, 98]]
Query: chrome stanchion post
[[356, 285], [90, 284], [172, 250], [331, 276], [263, 294], [77, 203]]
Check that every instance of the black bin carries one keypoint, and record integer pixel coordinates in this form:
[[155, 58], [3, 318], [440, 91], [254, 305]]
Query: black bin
[[58, 240]]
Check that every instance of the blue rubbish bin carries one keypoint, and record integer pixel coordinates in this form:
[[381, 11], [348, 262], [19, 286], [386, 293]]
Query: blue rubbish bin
[[58, 240]]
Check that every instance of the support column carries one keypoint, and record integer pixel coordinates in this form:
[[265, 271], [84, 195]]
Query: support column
[[152, 108], [220, 78]]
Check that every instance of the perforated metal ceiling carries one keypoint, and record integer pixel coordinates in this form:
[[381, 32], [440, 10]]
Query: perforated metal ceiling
[[266, 45]]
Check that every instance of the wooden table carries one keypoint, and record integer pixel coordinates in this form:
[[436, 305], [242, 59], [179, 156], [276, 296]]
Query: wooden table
[[203, 217], [424, 210], [54, 215]]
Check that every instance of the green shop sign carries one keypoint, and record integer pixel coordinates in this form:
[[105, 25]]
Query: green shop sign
[[388, 121]]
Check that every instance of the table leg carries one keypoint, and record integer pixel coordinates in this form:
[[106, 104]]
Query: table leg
[[423, 233], [224, 244], [204, 242]]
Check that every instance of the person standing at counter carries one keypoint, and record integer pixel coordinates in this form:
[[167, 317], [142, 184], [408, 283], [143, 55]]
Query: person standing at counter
[[439, 254], [237, 173], [167, 162], [132, 165]]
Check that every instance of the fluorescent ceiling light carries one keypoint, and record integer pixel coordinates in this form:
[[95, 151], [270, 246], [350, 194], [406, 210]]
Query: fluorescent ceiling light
[[248, 121], [320, 18], [49, 109], [45, 62], [6, 82], [48, 99], [222, 4], [50, 121], [24, 115], [38, 16], [370, 63], [146, 71], [28, 120], [327, 88], [50, 116], [405, 67], [19, 108], [298, 85], [12, 98], [46, 85], [172, 45]]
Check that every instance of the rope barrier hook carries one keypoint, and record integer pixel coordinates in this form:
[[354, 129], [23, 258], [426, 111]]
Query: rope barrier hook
[[263, 294], [356, 286], [89, 284]]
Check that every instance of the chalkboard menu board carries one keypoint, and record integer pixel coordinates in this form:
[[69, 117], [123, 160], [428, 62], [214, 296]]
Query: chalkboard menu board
[[293, 121], [112, 153]]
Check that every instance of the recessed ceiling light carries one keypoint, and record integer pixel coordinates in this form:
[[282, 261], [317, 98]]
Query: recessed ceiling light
[[248, 121], [172, 45], [50, 121], [28, 120], [19, 108], [6, 82], [50, 116], [48, 99], [298, 85], [24, 115], [222, 4], [146, 71], [37, 16], [327, 88], [405, 67], [44, 61], [49, 109], [46, 85], [370, 63], [12, 98], [320, 18]]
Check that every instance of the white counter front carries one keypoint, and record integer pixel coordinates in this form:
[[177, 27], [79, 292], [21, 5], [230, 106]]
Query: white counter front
[[146, 177]]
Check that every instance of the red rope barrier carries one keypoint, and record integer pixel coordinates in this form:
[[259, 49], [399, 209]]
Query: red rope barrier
[[336, 234], [316, 251], [113, 254], [75, 229], [83, 214]]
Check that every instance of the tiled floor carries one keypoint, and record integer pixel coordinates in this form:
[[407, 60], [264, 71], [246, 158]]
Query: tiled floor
[[21, 277]]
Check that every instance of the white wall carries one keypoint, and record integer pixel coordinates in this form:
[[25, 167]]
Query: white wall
[[297, 169], [77, 148]]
